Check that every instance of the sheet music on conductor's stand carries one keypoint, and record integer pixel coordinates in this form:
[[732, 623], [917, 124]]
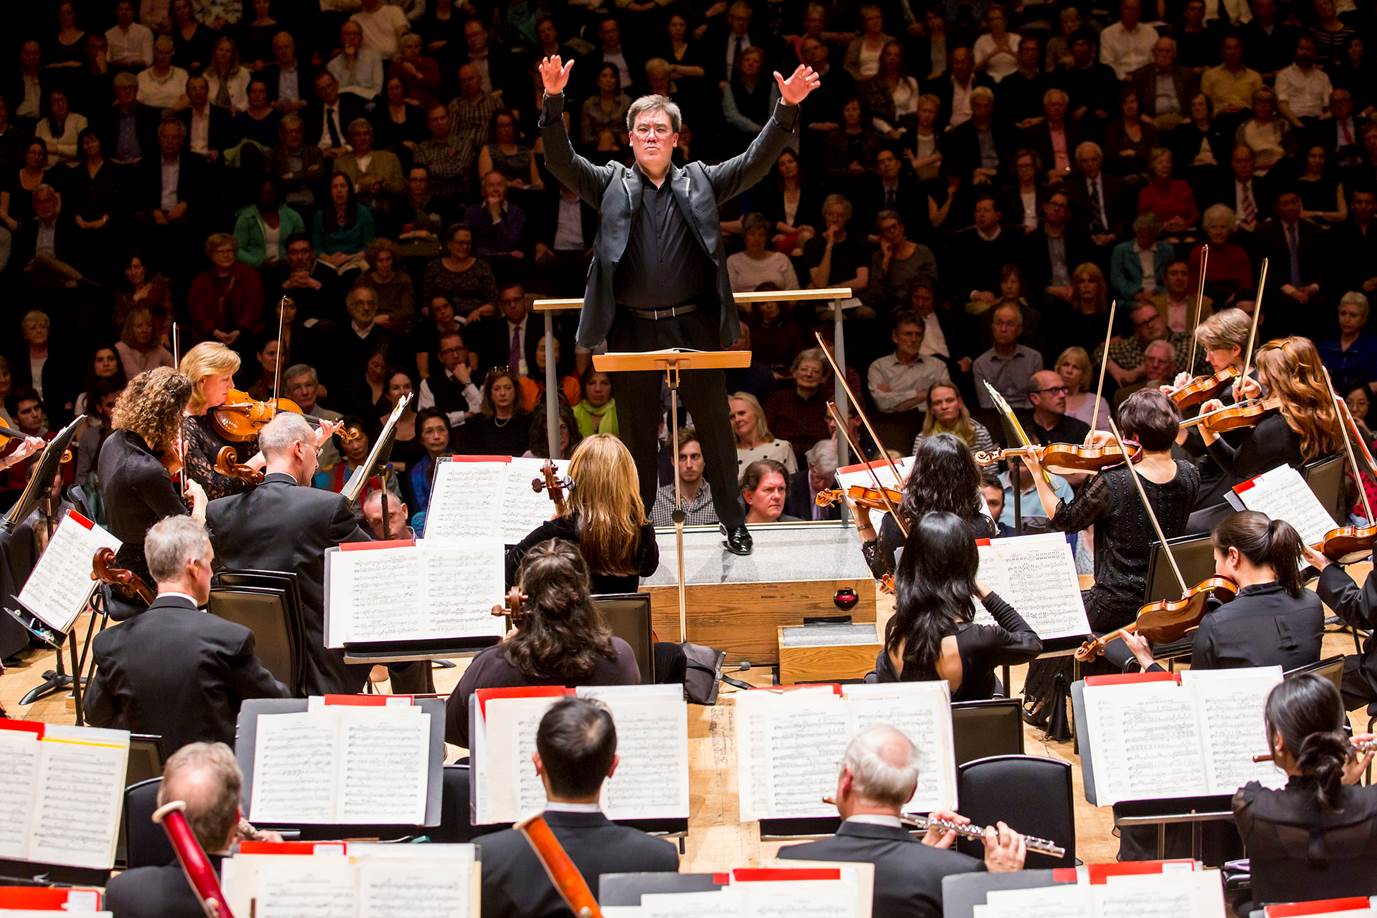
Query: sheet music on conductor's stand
[[61, 792], [483, 496], [1036, 574], [60, 584], [1282, 494]]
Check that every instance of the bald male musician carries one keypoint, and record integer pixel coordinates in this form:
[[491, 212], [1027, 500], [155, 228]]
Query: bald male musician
[[207, 778], [576, 750], [174, 670], [659, 274], [878, 776]]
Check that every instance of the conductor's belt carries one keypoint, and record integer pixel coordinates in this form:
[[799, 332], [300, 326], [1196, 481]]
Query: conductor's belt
[[662, 312]]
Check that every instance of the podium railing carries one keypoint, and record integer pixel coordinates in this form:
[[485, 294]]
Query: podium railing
[[548, 307]]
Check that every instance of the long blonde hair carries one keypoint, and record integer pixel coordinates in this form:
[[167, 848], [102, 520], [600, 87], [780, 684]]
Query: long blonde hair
[[1290, 368], [1078, 356], [607, 499], [207, 359], [762, 432], [962, 428]]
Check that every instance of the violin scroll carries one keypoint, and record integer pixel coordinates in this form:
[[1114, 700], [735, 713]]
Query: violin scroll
[[511, 606], [128, 583], [553, 485], [227, 463]]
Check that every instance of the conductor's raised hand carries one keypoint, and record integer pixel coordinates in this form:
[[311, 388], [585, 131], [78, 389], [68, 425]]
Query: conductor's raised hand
[[554, 73], [800, 83]]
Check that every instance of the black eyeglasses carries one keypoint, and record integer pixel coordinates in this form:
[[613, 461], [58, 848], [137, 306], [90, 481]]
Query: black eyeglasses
[[1055, 390]]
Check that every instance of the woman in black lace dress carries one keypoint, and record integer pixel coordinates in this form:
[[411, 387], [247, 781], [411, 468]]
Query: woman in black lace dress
[[211, 366]]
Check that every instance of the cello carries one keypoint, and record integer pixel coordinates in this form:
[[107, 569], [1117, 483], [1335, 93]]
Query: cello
[[553, 486]]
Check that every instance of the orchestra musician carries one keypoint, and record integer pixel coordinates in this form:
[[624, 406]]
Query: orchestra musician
[[1302, 429], [1358, 608], [878, 775], [175, 670], [210, 366], [604, 518], [135, 485], [207, 778], [1316, 838], [1273, 621], [944, 477], [932, 634], [576, 750], [560, 639], [285, 525]]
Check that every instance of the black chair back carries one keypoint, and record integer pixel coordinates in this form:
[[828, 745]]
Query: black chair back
[[981, 729], [148, 844], [456, 825], [1194, 554], [1331, 668], [628, 615], [1326, 478], [274, 580], [1030, 793], [145, 762], [266, 613]]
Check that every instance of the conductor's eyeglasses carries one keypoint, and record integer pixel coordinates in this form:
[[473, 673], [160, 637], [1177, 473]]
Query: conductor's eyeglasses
[[659, 130]]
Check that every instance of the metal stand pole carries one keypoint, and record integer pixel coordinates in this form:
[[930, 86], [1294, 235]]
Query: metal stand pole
[[551, 389], [672, 380], [839, 387]]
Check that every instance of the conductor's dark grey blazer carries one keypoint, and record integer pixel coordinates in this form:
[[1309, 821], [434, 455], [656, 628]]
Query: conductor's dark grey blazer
[[614, 190]]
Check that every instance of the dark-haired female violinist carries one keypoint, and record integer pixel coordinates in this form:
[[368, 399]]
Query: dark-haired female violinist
[[1316, 838], [932, 634]]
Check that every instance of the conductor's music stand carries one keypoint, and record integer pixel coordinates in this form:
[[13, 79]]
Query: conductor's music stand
[[671, 362]]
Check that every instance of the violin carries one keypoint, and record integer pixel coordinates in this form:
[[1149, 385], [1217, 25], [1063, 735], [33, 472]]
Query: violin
[[553, 486], [1348, 544], [511, 608], [129, 584], [241, 417], [870, 498], [7, 434], [1167, 619], [1203, 388], [1066, 458], [1234, 417], [227, 463]]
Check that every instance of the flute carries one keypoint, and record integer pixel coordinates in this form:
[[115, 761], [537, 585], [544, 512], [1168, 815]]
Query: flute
[[966, 830], [1359, 746]]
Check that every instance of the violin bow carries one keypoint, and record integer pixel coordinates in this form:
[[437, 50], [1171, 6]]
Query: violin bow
[[277, 364], [1104, 365], [1252, 332], [1199, 305], [856, 404], [1348, 446], [856, 447], [181, 423], [1147, 507]]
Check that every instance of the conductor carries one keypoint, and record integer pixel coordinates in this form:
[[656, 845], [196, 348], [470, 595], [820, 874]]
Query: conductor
[[659, 273]]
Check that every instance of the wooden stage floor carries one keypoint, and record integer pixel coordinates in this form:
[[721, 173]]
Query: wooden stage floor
[[716, 840]]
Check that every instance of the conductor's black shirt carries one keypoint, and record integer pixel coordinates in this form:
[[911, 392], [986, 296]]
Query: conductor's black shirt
[[664, 263]]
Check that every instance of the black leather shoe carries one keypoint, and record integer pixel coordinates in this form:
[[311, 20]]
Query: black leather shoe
[[738, 541]]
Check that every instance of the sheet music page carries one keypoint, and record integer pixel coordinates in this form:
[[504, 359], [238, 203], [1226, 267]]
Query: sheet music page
[[525, 507], [375, 594], [1283, 495], [77, 808], [801, 898], [1171, 894], [1037, 576], [295, 769], [60, 583], [386, 765], [18, 787], [1060, 901], [922, 712], [1230, 704], [395, 888], [463, 608], [468, 497], [797, 739], [511, 787], [651, 780], [724, 901], [305, 887], [1144, 741]]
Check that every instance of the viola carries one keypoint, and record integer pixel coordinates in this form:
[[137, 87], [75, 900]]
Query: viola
[[241, 417], [1167, 619], [870, 498], [553, 485], [511, 607], [1234, 417], [129, 584], [227, 463], [1203, 388], [1066, 458]]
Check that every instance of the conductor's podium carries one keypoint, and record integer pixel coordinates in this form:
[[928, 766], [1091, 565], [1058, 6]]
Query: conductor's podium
[[737, 604]]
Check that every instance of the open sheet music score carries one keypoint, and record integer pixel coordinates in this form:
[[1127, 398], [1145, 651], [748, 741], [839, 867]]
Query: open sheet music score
[[789, 744], [60, 584], [342, 765], [353, 880], [1178, 891], [381, 592], [651, 780], [61, 791], [488, 497], [833, 891], [1035, 574], [1151, 736], [1282, 494]]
